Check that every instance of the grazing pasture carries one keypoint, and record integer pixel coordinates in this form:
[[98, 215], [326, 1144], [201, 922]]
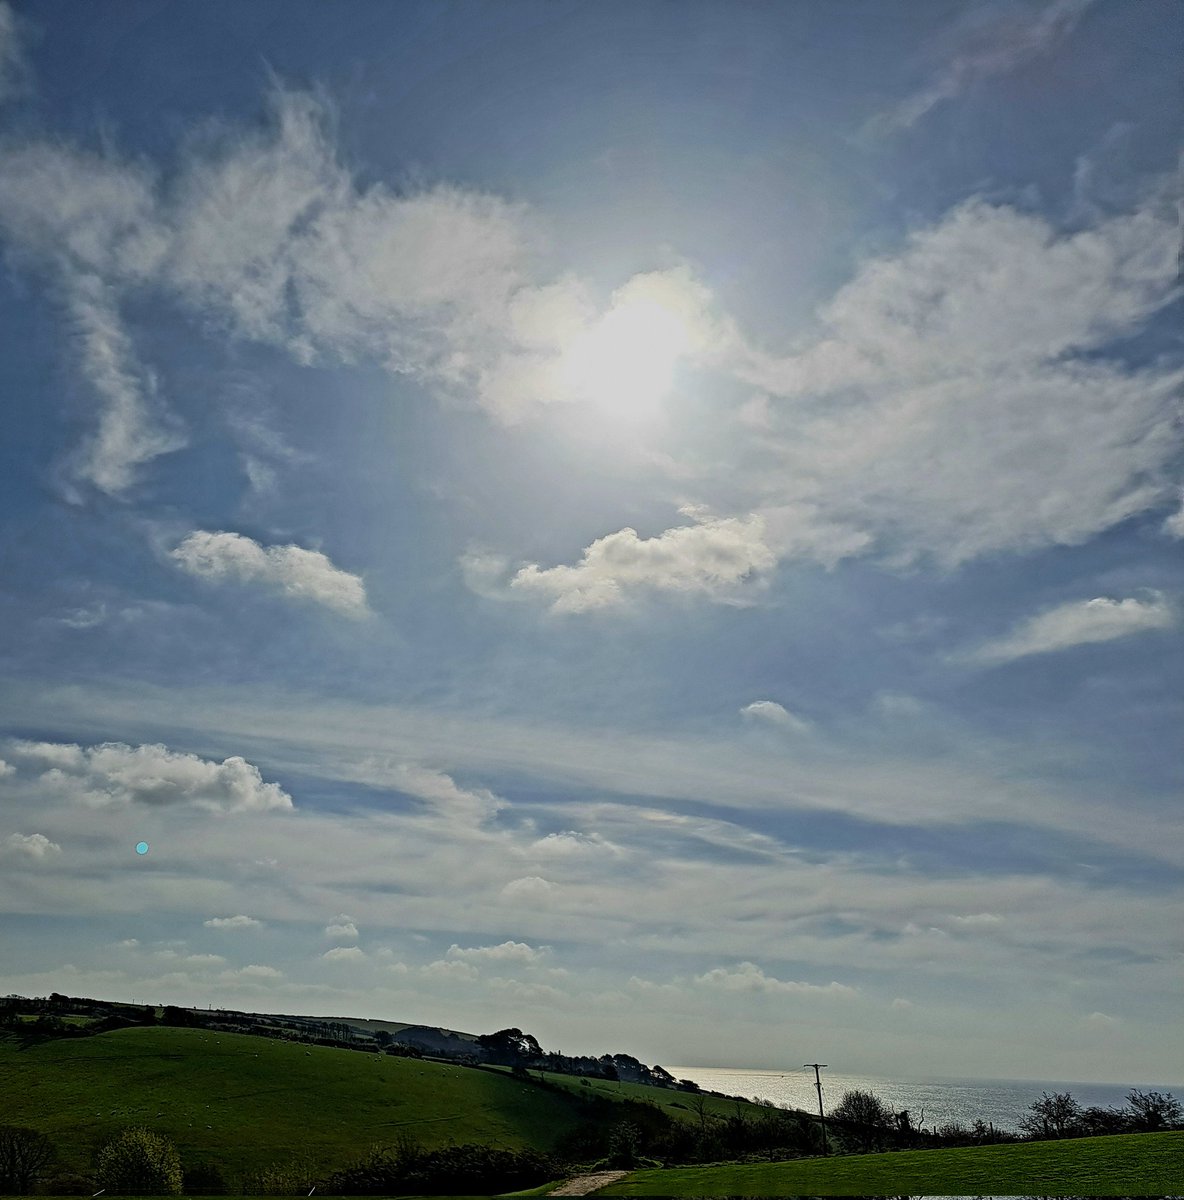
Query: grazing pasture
[[1136, 1164]]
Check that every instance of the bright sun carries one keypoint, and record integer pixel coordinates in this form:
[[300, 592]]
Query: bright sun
[[625, 362]]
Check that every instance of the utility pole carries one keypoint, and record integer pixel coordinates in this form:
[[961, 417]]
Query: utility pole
[[818, 1084]]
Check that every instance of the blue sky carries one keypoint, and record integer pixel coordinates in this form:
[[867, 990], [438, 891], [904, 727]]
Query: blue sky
[[656, 524]]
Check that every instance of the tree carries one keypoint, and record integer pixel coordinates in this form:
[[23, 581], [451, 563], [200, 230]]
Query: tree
[[866, 1114], [1152, 1111], [1055, 1116], [1096, 1121], [862, 1108], [509, 1046], [24, 1154], [140, 1162]]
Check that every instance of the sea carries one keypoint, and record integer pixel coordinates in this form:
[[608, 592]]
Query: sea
[[930, 1102]]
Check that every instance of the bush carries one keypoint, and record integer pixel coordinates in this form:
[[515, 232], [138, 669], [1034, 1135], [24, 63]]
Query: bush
[[624, 1142], [203, 1179], [139, 1162], [292, 1177], [470, 1170], [24, 1155]]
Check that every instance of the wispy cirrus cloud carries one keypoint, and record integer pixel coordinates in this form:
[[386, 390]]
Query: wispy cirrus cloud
[[769, 712], [931, 412], [265, 234], [290, 570], [1078, 623], [992, 40], [14, 66]]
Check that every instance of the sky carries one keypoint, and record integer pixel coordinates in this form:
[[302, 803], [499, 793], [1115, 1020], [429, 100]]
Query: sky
[[656, 524]]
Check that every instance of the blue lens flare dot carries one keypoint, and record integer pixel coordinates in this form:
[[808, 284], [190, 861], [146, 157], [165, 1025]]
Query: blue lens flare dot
[[141, 847]]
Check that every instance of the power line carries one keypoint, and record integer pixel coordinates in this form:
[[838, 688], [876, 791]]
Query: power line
[[821, 1115]]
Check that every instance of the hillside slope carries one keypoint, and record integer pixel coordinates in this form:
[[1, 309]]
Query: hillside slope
[[245, 1102]]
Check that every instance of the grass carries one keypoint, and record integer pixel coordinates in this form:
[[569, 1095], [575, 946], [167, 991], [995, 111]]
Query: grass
[[675, 1104], [1136, 1164], [245, 1102]]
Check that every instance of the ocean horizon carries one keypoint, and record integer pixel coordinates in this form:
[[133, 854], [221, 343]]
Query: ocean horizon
[[930, 1102]]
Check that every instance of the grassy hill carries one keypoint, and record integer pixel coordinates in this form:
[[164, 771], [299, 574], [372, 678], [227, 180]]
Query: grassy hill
[[1136, 1164], [246, 1102], [678, 1105]]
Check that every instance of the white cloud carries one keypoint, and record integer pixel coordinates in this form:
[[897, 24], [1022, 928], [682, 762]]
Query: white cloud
[[973, 919], [441, 791], [290, 570], [571, 842], [450, 970], [992, 40], [516, 952], [263, 232], [528, 890], [931, 413], [90, 220], [1077, 623], [114, 774], [772, 713], [31, 845], [748, 977], [6, 768], [237, 922], [342, 929], [129, 433], [199, 962], [344, 954], [715, 557], [258, 971]]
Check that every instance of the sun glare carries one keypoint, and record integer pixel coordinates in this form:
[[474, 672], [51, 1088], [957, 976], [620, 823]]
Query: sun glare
[[625, 362]]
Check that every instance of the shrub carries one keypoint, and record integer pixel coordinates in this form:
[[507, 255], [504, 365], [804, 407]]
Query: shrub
[[203, 1179], [624, 1142], [454, 1171], [294, 1176], [139, 1162]]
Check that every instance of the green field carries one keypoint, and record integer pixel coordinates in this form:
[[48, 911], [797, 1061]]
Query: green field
[[1136, 1164], [245, 1102], [677, 1105]]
